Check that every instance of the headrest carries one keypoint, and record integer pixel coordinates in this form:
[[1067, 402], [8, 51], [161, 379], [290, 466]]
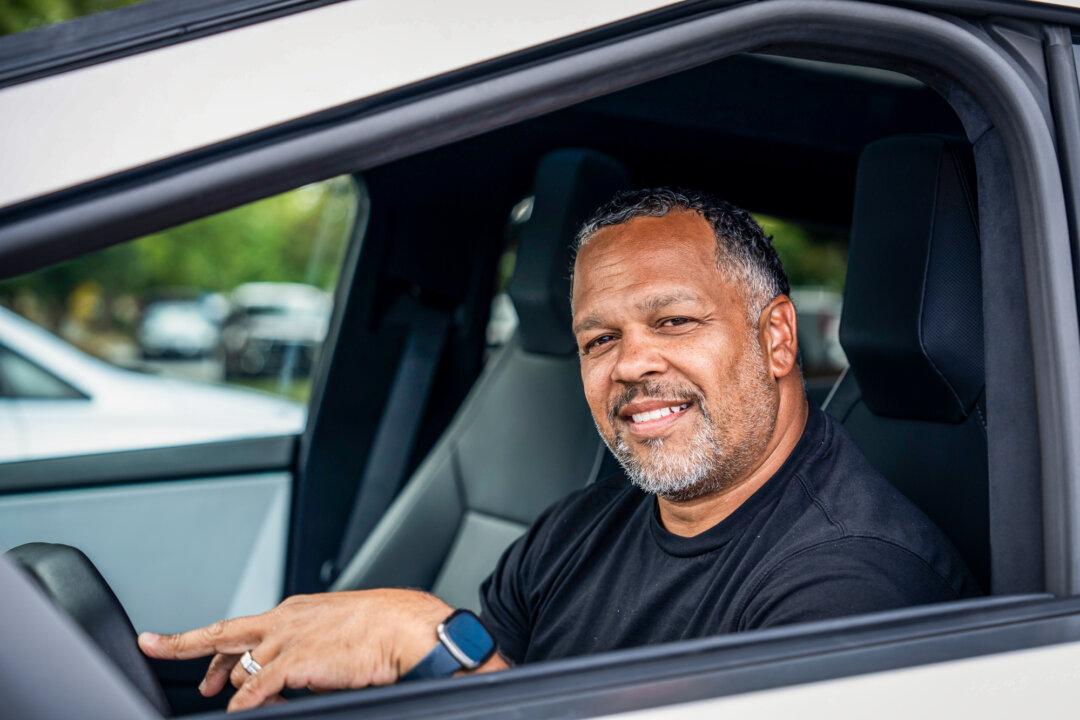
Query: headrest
[[912, 325], [569, 186]]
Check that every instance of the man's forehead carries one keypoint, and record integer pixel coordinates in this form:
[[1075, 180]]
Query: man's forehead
[[647, 231], [647, 250]]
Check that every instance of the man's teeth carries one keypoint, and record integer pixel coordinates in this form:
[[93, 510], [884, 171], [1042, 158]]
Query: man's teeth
[[657, 414]]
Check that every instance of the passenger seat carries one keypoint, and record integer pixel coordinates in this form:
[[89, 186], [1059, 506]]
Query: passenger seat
[[524, 437], [912, 329]]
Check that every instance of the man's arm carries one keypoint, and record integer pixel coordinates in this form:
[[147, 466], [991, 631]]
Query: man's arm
[[329, 641]]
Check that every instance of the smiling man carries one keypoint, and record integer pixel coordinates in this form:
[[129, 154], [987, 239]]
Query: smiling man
[[746, 508]]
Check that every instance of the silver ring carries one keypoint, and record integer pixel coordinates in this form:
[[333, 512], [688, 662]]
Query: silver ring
[[249, 663]]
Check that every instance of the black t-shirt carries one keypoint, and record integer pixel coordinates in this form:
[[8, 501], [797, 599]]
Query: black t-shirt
[[826, 536]]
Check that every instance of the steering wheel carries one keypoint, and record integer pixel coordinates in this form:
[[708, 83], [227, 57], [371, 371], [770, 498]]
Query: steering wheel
[[73, 583]]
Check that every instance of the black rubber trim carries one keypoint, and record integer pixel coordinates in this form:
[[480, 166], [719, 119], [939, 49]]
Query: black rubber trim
[[1065, 101], [667, 674], [232, 457]]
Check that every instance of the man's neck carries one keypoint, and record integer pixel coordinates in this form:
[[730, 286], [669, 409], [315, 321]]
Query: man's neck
[[692, 517]]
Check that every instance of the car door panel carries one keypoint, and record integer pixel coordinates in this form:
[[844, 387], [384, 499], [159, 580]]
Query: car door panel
[[178, 554]]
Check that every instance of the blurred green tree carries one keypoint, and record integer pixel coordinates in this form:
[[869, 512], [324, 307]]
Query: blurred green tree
[[298, 236], [812, 256]]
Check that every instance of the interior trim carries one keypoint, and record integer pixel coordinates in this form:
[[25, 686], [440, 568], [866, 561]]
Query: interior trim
[[231, 457]]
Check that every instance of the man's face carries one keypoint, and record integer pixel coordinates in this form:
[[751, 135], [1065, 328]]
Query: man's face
[[673, 371]]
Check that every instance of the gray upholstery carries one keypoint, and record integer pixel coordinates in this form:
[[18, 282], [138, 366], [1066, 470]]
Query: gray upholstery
[[912, 329], [524, 436]]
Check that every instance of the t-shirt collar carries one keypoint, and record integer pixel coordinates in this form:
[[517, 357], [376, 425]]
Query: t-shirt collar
[[735, 523]]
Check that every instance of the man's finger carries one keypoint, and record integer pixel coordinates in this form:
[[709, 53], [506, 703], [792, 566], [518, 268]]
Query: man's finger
[[217, 674], [263, 655], [224, 636], [260, 687]]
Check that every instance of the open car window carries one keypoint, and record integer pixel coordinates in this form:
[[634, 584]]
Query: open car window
[[182, 336]]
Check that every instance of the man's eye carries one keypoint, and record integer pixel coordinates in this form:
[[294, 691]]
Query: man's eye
[[596, 342], [674, 321]]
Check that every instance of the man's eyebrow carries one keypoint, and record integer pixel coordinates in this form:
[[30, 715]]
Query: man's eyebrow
[[591, 322], [662, 300], [649, 304]]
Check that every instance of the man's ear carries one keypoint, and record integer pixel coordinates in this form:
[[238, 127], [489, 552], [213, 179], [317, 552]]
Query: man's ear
[[778, 328]]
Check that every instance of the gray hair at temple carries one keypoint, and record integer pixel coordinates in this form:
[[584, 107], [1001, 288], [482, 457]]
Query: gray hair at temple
[[744, 253]]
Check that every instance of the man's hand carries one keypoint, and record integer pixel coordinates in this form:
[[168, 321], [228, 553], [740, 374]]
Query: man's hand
[[322, 642]]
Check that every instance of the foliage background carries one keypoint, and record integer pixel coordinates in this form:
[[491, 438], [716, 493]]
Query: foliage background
[[298, 236]]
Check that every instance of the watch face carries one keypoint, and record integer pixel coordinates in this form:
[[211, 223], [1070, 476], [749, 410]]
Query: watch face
[[470, 637]]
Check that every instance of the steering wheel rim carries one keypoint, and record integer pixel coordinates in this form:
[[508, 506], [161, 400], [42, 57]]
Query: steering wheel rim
[[74, 584]]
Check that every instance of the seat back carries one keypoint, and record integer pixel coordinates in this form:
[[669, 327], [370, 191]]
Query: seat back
[[524, 436], [912, 329]]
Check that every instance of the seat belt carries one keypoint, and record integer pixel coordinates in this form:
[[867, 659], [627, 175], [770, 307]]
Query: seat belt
[[395, 439]]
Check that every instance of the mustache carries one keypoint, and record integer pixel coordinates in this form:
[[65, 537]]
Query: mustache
[[655, 390]]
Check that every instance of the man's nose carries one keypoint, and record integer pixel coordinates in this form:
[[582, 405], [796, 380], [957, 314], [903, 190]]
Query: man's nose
[[639, 357]]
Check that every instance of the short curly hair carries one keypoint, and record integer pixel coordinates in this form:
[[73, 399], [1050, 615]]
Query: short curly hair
[[744, 253]]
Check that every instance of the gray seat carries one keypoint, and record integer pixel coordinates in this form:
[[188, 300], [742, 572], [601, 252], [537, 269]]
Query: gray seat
[[524, 437], [912, 329]]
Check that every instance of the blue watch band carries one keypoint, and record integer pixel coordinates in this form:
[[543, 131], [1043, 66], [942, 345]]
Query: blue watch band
[[438, 663], [464, 643]]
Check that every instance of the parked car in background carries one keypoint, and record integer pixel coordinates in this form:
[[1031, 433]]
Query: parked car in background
[[177, 329], [274, 326], [819, 330], [57, 401]]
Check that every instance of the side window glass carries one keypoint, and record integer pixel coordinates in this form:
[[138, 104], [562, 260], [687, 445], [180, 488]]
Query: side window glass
[[202, 332], [20, 378]]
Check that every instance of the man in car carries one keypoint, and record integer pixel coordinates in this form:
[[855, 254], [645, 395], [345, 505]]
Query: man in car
[[747, 508]]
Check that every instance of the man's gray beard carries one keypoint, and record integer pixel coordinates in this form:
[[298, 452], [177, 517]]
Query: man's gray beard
[[674, 475], [707, 466]]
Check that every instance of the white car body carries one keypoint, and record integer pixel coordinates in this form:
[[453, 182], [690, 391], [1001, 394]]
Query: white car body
[[124, 410]]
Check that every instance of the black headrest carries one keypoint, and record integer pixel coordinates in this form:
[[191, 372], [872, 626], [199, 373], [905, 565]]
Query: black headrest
[[569, 186], [912, 323]]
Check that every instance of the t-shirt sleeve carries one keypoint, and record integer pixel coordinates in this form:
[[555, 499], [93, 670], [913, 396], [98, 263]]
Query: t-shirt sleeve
[[847, 576], [504, 601]]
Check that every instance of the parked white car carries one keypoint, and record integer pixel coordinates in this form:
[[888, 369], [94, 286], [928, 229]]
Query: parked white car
[[56, 400]]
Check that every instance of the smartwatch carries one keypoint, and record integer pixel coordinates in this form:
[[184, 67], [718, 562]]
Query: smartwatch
[[464, 644]]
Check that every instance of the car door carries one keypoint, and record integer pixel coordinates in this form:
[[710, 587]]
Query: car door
[[520, 86]]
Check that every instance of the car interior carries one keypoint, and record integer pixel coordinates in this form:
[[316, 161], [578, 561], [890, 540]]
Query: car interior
[[427, 453]]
